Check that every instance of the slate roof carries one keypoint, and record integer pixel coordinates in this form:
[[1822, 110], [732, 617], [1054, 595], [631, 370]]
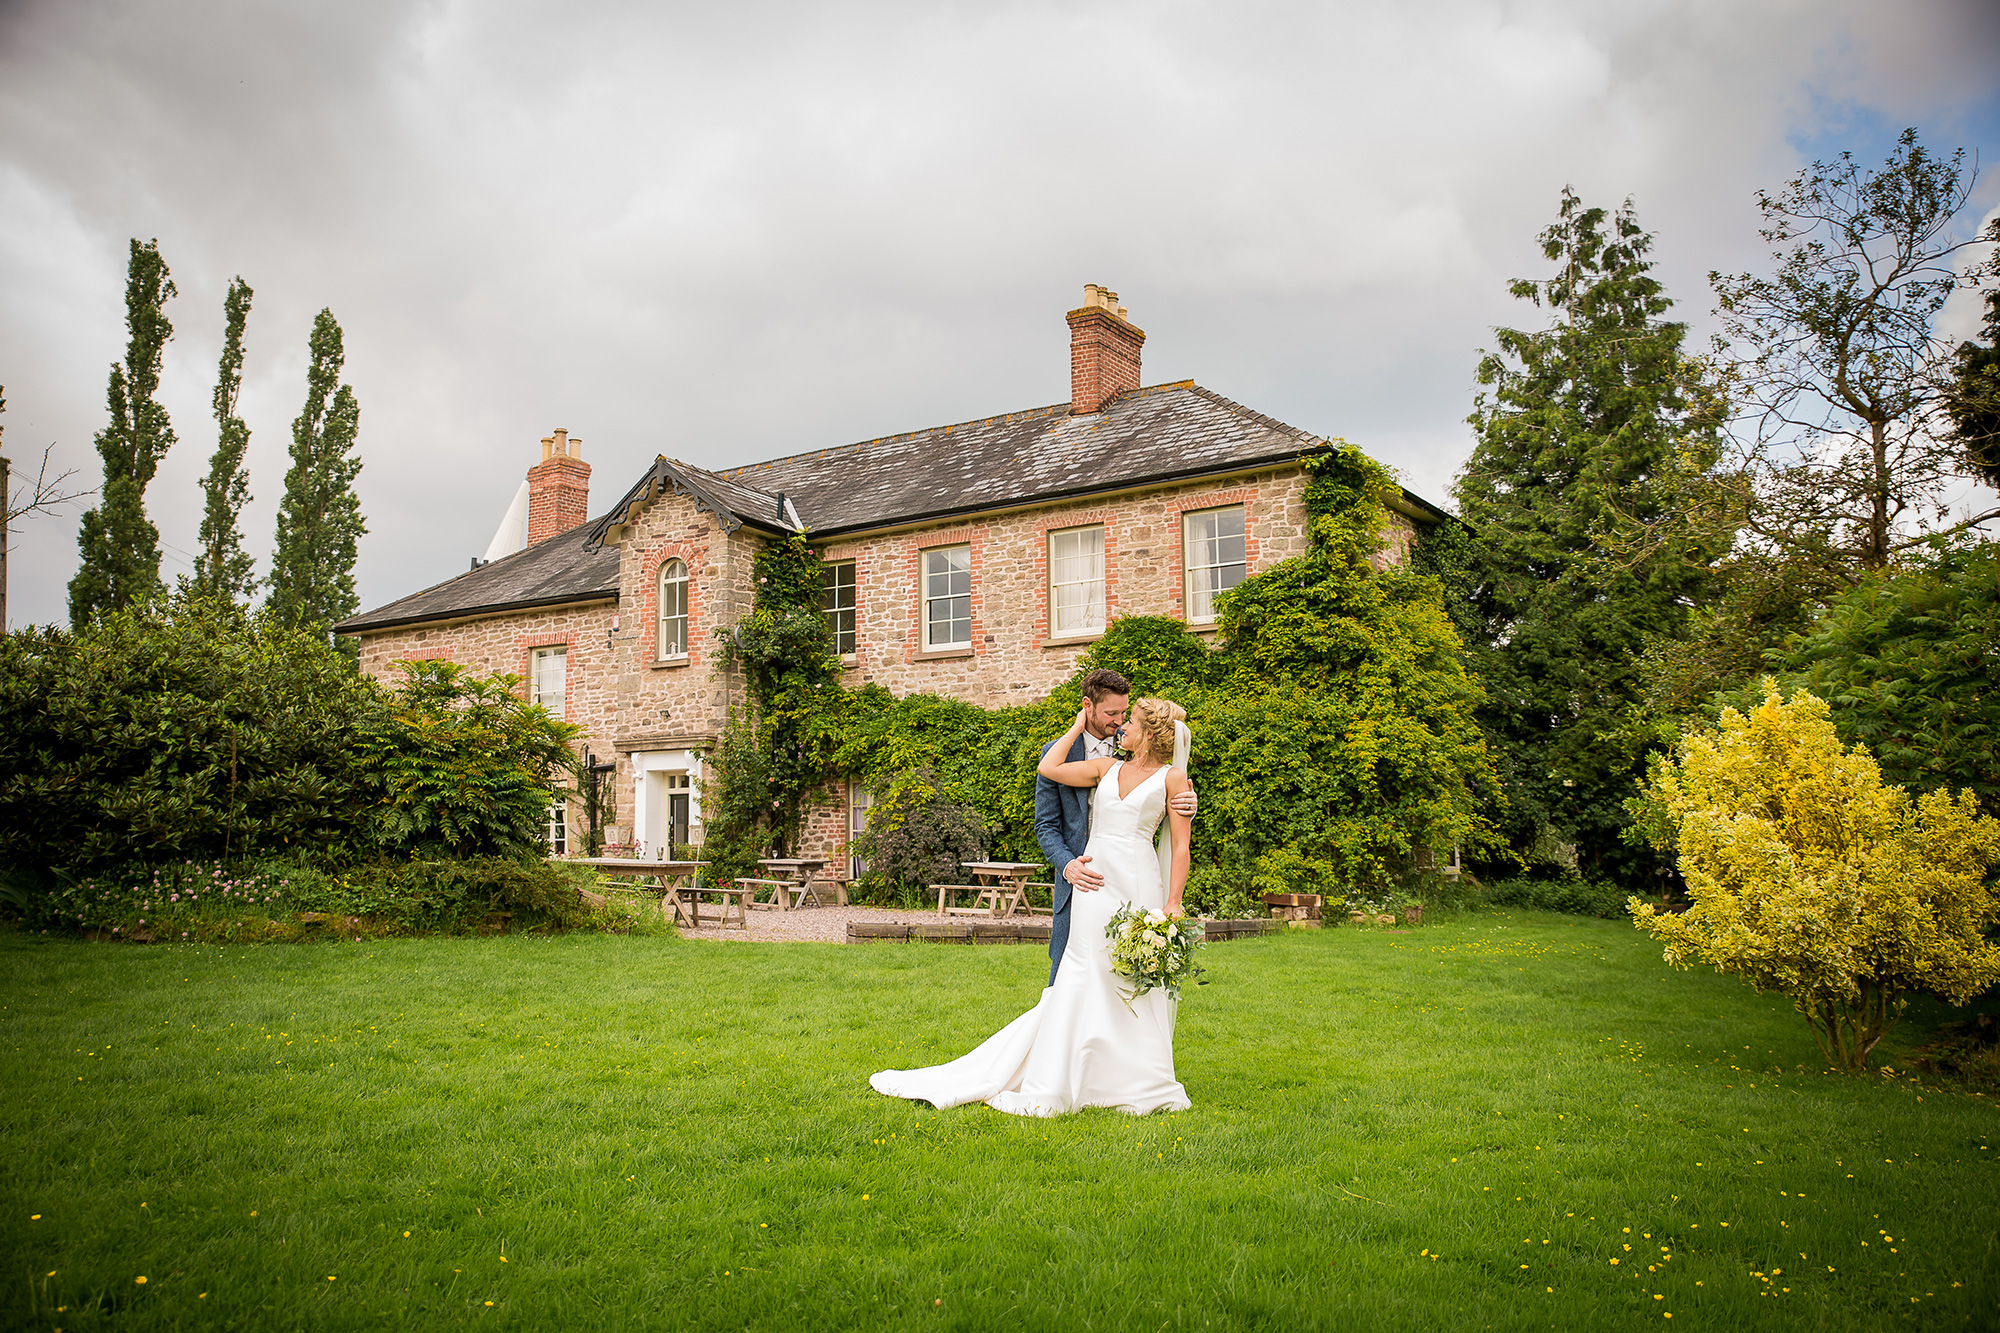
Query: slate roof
[[732, 503], [1158, 434], [561, 569], [1146, 437]]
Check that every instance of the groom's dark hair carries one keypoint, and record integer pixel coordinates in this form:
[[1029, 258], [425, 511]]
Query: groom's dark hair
[[1101, 682]]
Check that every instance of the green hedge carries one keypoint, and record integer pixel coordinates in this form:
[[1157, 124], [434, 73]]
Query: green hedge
[[1578, 897]]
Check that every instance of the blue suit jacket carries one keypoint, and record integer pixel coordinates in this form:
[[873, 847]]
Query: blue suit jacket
[[1062, 827]]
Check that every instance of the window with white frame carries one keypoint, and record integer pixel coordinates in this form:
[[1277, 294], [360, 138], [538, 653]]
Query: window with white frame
[[559, 828], [836, 598], [947, 598], [679, 812], [548, 682], [673, 605], [1213, 551], [859, 798], [1076, 582]]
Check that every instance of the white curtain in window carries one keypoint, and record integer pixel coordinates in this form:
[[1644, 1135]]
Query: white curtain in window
[[1076, 581], [1214, 555], [549, 681]]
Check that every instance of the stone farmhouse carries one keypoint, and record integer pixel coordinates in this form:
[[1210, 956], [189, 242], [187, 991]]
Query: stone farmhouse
[[977, 560]]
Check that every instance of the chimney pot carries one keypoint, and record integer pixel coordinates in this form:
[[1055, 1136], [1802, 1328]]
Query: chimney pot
[[1103, 351], [558, 488]]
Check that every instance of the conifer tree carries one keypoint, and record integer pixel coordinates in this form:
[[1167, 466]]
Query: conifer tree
[[119, 546], [1973, 398], [223, 568], [319, 519], [1579, 429]]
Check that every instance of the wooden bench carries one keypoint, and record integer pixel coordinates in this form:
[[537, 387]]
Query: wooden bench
[[990, 899], [766, 895], [686, 900]]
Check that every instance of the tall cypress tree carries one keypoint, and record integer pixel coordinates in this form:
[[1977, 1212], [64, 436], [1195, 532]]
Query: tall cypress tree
[[119, 546], [1973, 401], [223, 568], [1579, 427], [319, 519]]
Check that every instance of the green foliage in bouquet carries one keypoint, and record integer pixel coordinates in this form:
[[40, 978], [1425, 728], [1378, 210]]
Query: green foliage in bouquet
[[1153, 950]]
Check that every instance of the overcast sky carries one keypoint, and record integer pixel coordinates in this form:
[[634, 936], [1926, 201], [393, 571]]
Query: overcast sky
[[732, 232]]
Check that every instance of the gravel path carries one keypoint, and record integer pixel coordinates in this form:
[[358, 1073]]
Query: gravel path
[[819, 925]]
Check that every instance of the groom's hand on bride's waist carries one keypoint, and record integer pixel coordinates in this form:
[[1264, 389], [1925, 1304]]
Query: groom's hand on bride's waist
[[1081, 876]]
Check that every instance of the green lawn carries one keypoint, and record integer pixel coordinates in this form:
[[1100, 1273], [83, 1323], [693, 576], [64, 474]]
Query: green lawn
[[1463, 1126]]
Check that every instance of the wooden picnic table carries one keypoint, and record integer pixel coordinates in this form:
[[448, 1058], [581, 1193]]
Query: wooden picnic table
[[1002, 889], [675, 882], [786, 871]]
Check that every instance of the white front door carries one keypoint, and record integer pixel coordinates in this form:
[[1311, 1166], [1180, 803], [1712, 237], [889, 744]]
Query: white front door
[[666, 805]]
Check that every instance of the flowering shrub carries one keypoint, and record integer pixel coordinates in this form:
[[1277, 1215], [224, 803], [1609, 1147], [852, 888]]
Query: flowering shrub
[[274, 900], [1811, 876]]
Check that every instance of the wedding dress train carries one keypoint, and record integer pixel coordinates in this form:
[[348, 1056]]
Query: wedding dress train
[[1081, 1045]]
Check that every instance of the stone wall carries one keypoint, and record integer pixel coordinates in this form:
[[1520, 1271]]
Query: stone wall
[[638, 706], [1013, 658]]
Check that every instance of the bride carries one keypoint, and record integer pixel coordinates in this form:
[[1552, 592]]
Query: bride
[[1083, 1044]]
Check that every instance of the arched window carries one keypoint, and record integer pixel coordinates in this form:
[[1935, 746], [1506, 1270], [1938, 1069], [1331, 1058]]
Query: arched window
[[673, 610]]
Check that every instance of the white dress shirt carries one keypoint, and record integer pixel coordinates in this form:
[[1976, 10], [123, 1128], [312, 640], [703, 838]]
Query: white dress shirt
[[1097, 747]]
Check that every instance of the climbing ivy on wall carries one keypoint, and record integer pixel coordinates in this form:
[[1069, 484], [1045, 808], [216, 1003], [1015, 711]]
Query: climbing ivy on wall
[[776, 755], [1336, 719]]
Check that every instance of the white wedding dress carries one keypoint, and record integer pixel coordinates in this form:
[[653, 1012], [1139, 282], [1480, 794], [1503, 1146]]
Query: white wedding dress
[[1080, 1045]]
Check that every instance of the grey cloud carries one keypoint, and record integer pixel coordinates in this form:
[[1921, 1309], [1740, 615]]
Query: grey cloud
[[733, 232]]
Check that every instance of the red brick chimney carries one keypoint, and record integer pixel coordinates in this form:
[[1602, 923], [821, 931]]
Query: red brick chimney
[[558, 488], [1103, 351]]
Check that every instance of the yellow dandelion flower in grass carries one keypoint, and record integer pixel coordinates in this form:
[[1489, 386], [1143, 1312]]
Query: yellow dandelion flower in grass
[[1614, 1262], [140, 1280], [36, 1217]]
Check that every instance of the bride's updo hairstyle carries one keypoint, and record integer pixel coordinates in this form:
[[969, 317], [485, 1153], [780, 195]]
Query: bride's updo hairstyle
[[1156, 717]]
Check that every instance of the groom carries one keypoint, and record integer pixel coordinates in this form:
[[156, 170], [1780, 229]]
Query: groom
[[1062, 814]]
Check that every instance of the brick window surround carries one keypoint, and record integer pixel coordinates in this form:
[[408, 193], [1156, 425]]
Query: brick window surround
[[862, 557], [912, 563], [691, 555], [1092, 518], [1194, 504], [528, 644]]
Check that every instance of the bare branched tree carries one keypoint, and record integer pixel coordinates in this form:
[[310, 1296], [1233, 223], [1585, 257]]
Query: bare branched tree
[[1845, 446], [47, 495]]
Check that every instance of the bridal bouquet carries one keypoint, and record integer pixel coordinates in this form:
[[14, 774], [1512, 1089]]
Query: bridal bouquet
[[1153, 950]]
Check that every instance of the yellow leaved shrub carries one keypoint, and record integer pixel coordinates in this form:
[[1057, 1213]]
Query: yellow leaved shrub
[[1810, 876]]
